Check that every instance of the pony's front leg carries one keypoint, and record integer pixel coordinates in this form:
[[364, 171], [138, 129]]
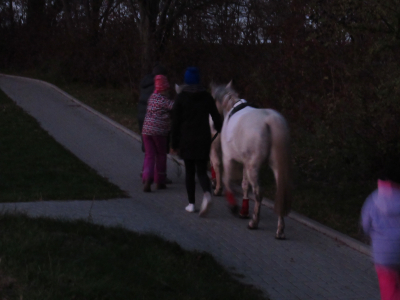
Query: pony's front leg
[[230, 173], [280, 232], [213, 178], [218, 178], [216, 172]]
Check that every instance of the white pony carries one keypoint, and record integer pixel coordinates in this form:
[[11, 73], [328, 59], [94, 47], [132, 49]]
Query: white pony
[[252, 139]]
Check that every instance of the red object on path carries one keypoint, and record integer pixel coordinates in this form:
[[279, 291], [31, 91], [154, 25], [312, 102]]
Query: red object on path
[[213, 176]]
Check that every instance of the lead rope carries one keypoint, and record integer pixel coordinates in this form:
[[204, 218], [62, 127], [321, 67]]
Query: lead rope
[[214, 137]]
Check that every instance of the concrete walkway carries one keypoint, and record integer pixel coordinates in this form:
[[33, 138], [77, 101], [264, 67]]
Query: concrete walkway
[[308, 265]]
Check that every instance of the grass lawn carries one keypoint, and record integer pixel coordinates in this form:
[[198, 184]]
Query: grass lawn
[[47, 259], [118, 104], [33, 166], [336, 206]]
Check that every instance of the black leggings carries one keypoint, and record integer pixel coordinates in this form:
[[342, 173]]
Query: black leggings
[[191, 165]]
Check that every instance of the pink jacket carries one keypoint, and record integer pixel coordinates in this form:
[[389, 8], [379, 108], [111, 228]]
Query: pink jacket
[[158, 120]]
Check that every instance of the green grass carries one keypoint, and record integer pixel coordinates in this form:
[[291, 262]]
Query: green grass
[[333, 201], [336, 206], [47, 259], [118, 104], [325, 189], [33, 166]]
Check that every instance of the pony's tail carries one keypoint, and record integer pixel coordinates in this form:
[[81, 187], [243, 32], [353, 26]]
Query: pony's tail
[[280, 161]]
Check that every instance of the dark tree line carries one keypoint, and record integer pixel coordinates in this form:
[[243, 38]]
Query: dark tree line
[[153, 23]]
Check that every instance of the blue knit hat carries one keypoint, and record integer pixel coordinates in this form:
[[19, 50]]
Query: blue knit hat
[[192, 75]]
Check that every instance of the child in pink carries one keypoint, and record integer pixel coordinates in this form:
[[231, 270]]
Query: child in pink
[[381, 221], [156, 127]]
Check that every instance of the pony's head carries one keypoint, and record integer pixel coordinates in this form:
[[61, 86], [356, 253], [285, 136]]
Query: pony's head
[[225, 97], [178, 88]]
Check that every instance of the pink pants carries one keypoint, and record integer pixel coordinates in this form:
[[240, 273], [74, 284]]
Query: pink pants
[[155, 158], [389, 282]]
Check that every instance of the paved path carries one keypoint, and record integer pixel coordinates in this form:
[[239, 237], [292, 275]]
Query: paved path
[[308, 265]]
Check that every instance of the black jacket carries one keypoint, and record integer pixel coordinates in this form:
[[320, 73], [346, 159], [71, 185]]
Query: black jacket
[[191, 132], [146, 89]]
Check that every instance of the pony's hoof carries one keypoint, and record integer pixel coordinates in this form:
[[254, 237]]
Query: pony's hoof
[[218, 192], [205, 206], [213, 183], [204, 210], [234, 209], [280, 236], [252, 225]]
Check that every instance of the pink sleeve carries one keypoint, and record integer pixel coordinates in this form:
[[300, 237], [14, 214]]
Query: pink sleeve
[[168, 103]]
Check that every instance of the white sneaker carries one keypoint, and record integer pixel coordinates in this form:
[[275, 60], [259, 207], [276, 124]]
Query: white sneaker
[[205, 206], [190, 208]]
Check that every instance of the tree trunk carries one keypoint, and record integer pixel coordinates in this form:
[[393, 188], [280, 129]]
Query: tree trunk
[[35, 13], [68, 17], [94, 20], [157, 18], [147, 29], [149, 55], [11, 15]]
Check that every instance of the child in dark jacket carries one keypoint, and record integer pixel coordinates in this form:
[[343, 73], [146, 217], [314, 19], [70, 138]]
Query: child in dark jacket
[[381, 221], [191, 135]]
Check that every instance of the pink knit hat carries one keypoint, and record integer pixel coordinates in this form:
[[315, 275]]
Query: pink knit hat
[[161, 83]]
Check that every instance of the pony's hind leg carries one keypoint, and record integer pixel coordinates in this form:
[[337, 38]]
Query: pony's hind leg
[[244, 212], [280, 232], [245, 186], [253, 178], [253, 224]]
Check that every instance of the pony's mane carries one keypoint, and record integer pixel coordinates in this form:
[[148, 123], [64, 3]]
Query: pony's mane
[[222, 92]]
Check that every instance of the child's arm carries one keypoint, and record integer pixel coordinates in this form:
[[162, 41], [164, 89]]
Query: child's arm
[[366, 221], [168, 104], [165, 102]]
